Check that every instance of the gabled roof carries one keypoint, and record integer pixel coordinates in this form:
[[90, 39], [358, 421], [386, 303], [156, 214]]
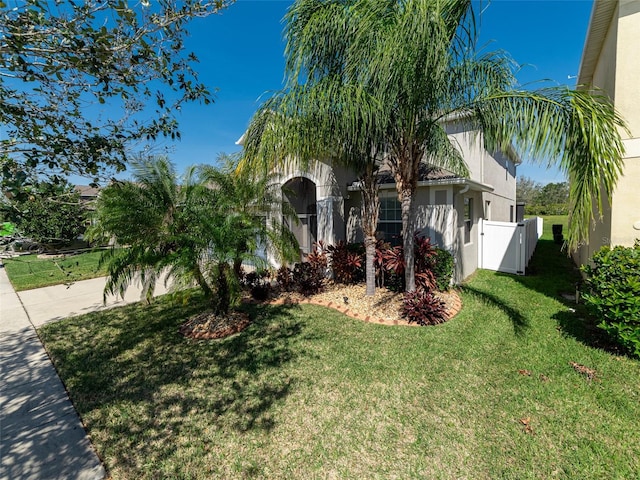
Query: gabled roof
[[601, 16]]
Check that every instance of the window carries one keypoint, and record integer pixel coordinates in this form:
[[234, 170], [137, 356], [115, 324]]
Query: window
[[468, 219], [390, 220], [511, 213], [487, 210]]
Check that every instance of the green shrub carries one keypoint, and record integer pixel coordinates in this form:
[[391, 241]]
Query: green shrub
[[612, 293], [443, 268]]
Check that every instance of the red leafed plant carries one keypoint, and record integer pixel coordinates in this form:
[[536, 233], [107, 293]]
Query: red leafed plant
[[423, 307], [318, 257], [345, 263], [425, 256]]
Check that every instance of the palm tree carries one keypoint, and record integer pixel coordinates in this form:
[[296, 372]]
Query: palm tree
[[252, 204], [415, 62], [187, 227], [327, 118]]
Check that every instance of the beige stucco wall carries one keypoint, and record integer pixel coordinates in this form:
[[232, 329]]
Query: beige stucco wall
[[466, 254], [617, 72], [604, 78], [496, 170], [625, 216], [626, 198], [627, 65]]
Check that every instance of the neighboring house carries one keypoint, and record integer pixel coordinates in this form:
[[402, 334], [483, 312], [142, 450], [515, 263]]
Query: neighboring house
[[327, 201], [87, 194], [611, 63]]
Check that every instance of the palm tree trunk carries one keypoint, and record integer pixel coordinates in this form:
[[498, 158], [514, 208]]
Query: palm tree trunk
[[408, 230], [223, 300], [370, 213], [370, 268], [202, 283]]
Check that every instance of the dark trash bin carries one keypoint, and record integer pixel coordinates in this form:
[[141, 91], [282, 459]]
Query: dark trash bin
[[557, 234]]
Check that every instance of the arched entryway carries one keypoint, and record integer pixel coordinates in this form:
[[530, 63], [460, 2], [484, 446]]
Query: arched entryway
[[301, 194]]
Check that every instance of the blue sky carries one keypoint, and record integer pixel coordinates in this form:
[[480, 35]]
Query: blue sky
[[241, 56]]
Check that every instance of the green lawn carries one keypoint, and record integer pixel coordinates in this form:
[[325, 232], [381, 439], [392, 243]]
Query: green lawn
[[306, 392], [29, 271]]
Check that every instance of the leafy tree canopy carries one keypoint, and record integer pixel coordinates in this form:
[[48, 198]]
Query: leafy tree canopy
[[549, 199], [527, 189], [46, 211], [554, 193], [61, 61]]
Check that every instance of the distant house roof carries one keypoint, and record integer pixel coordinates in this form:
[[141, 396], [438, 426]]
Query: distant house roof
[[87, 192]]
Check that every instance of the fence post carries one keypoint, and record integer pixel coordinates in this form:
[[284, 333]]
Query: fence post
[[522, 248]]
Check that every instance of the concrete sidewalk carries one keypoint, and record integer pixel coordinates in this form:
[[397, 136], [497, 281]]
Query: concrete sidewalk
[[60, 301], [41, 436]]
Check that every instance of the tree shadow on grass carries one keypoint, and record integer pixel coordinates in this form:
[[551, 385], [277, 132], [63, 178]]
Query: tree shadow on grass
[[551, 271], [520, 322], [576, 323], [142, 386]]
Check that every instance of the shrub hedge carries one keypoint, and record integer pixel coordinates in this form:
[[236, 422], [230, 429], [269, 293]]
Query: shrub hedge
[[612, 293]]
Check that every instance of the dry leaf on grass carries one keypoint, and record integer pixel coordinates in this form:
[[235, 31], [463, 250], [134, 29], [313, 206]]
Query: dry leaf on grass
[[526, 373], [527, 425], [590, 373]]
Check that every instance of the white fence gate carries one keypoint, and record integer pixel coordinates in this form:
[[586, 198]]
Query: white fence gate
[[508, 247]]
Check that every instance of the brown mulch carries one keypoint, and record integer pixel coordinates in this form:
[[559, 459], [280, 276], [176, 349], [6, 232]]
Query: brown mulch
[[385, 307], [208, 326]]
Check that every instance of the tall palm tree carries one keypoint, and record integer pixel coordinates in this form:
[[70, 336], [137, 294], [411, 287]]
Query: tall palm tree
[[415, 63], [189, 227], [328, 118]]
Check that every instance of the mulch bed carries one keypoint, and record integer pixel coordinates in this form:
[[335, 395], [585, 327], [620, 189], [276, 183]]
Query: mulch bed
[[209, 326], [382, 308]]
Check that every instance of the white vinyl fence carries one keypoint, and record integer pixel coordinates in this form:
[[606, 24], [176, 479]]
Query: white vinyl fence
[[508, 247]]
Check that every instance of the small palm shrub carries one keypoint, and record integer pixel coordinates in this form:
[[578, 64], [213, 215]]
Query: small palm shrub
[[612, 293], [423, 307]]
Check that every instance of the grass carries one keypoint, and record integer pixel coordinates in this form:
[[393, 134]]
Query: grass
[[306, 392], [29, 271]]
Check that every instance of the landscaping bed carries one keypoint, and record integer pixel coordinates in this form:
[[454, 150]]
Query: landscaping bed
[[383, 307]]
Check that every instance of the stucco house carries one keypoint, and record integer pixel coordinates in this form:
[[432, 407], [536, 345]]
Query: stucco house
[[326, 198], [611, 63]]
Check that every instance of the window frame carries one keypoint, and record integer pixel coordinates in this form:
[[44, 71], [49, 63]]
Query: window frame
[[467, 214], [396, 220]]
